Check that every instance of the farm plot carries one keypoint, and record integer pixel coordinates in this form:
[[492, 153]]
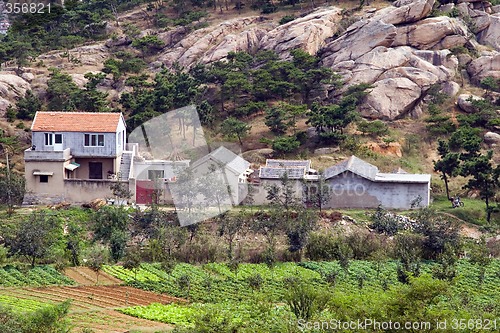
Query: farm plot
[[37, 277], [84, 276], [91, 306]]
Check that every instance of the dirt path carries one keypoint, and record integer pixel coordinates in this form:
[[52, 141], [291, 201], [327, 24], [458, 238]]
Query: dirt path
[[86, 277]]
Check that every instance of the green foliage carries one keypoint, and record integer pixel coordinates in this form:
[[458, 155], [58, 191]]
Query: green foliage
[[77, 22], [408, 248], [35, 277], [330, 121], [46, 319], [233, 127], [373, 128], [448, 165], [305, 301], [28, 105], [35, 236], [62, 92], [285, 144], [110, 226], [484, 177], [439, 232], [275, 117], [299, 227], [148, 45], [385, 222], [170, 90], [287, 18]]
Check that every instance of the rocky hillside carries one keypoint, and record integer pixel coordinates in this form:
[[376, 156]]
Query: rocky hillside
[[401, 48]]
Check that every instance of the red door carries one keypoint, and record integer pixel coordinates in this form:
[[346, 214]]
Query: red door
[[144, 190]]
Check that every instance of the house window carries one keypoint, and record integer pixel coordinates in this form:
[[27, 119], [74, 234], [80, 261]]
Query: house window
[[93, 140], [58, 139], [44, 179], [49, 139], [155, 174]]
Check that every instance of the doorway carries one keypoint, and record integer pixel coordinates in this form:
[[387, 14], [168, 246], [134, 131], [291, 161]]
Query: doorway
[[95, 170]]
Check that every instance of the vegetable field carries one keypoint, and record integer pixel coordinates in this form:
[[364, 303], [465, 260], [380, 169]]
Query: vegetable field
[[253, 293], [36, 277]]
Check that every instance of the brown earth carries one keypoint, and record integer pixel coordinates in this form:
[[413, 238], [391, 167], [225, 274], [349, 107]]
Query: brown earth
[[95, 307], [87, 277]]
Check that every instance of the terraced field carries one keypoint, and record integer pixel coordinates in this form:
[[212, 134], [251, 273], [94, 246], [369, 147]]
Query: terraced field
[[92, 306], [84, 276]]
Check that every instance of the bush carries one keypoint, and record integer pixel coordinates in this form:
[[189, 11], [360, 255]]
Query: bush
[[328, 247], [383, 222], [287, 18], [373, 128], [364, 244], [285, 144]]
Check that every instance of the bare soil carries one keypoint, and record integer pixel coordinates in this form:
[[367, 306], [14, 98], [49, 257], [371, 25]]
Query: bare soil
[[95, 307], [87, 277]]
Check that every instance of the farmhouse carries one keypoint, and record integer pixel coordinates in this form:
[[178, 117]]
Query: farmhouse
[[354, 183], [298, 173], [75, 156]]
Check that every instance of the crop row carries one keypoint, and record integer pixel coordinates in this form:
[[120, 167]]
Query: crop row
[[214, 282], [36, 277], [20, 305]]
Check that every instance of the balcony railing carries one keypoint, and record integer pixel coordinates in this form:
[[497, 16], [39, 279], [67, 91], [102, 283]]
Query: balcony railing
[[40, 155]]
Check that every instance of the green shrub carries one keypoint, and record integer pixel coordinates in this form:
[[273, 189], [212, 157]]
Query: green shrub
[[287, 18]]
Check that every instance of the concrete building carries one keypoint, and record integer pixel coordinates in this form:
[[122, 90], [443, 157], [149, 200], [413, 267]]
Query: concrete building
[[298, 172], [75, 156], [354, 183], [224, 167]]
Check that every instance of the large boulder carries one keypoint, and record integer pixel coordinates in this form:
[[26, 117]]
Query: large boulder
[[484, 66], [464, 101], [12, 86], [118, 41], [480, 18], [406, 11], [439, 32], [391, 98], [215, 42], [359, 39], [491, 35], [172, 37], [369, 67], [308, 33], [492, 138]]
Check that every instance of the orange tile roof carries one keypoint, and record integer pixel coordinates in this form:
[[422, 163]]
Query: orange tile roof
[[51, 121]]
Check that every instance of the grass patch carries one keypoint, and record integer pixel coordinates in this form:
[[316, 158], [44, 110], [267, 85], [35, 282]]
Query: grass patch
[[474, 210]]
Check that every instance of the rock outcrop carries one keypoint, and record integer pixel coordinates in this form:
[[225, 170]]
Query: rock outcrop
[[12, 87], [400, 52], [214, 43], [486, 65], [398, 49], [308, 33], [464, 102], [492, 138]]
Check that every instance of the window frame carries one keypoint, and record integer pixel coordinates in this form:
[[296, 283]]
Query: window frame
[[93, 140], [157, 172], [55, 138], [48, 139], [44, 178]]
